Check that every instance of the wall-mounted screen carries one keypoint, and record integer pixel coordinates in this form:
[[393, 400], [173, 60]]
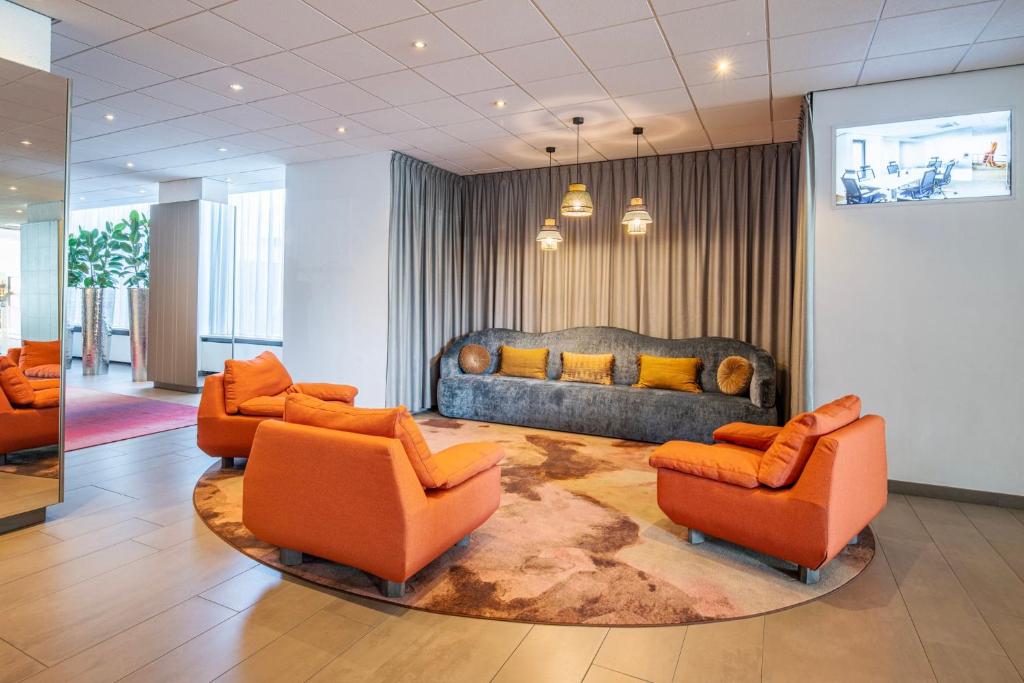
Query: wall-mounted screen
[[950, 157]]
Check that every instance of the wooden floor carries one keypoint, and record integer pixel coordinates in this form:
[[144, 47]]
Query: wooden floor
[[123, 582]]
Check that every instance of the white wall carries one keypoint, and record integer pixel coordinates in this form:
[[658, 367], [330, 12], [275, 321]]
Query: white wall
[[918, 306], [336, 272]]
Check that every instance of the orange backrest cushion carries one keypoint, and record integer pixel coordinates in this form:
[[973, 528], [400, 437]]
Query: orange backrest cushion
[[393, 423], [784, 461], [35, 353], [244, 379], [47, 371], [14, 383], [760, 437], [14, 353]]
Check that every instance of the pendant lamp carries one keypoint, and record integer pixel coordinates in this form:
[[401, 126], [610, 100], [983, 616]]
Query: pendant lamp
[[636, 218], [577, 202], [548, 236]]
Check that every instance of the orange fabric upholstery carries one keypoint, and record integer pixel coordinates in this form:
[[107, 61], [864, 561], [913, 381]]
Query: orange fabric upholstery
[[464, 461], [26, 427], [264, 406], [356, 500], [46, 371], [244, 379], [760, 437], [325, 392], [722, 462], [35, 353], [14, 354], [840, 490], [14, 384], [38, 384], [785, 459], [46, 398]]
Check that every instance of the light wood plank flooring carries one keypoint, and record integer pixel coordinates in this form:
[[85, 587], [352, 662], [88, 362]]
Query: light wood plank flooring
[[123, 582]]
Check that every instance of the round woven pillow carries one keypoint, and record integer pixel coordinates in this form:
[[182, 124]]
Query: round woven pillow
[[474, 359], [734, 375]]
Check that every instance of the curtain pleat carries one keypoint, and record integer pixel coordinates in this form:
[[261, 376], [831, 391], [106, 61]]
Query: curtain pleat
[[719, 259]]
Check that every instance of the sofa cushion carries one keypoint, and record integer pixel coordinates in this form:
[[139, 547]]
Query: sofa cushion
[[734, 375], [35, 353], [721, 462], [528, 363], [784, 461], [263, 406], [46, 398], [14, 384], [590, 368], [463, 461], [244, 379], [393, 423], [325, 391], [45, 371], [759, 437], [38, 384], [14, 354], [677, 374]]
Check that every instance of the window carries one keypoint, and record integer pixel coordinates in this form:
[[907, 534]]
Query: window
[[949, 157]]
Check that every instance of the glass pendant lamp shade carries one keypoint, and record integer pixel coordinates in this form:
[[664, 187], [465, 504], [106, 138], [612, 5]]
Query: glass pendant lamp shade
[[637, 218], [549, 236], [577, 202]]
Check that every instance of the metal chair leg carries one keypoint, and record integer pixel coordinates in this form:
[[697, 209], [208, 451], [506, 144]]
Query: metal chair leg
[[289, 557], [463, 542], [694, 536], [227, 463], [855, 540], [809, 576], [392, 589]]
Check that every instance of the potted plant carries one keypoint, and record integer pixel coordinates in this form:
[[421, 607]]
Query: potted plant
[[132, 234], [95, 264]]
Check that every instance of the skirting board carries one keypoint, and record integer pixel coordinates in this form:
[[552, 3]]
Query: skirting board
[[22, 520], [1006, 500]]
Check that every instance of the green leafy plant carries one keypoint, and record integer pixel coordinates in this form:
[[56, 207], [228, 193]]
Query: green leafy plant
[[96, 257], [132, 234]]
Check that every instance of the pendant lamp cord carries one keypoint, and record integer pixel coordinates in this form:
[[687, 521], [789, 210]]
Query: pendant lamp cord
[[577, 152], [636, 167]]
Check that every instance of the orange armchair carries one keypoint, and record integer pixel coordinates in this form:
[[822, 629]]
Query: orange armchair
[[839, 488], [32, 420], [356, 499]]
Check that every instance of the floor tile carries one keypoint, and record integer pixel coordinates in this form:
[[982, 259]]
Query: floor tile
[[726, 651], [646, 653], [553, 653]]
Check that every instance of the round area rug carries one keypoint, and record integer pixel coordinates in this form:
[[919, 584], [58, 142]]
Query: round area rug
[[578, 539]]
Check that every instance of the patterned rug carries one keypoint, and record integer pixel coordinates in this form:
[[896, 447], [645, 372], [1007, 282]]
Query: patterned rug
[[38, 462], [578, 539], [97, 417]]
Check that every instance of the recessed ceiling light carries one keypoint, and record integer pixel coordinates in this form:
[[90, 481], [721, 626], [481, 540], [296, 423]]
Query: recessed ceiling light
[[237, 86], [222, 149], [142, 192], [26, 142], [81, 199], [18, 211], [723, 65], [130, 165], [228, 180], [419, 44], [12, 188], [109, 117], [341, 129], [500, 104]]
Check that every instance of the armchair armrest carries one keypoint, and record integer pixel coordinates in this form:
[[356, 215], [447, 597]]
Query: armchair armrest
[[464, 461], [760, 437], [326, 392]]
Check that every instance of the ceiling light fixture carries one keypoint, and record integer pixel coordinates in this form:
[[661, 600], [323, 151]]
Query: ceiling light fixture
[[18, 211], [636, 218], [108, 117], [500, 104], [237, 86], [723, 65], [341, 129], [12, 188], [130, 165], [549, 236], [222, 149], [26, 142], [419, 44], [577, 202]]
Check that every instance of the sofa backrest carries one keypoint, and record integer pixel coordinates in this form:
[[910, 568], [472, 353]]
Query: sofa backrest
[[626, 346]]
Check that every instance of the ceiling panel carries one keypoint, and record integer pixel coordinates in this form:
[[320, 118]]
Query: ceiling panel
[[188, 96], [1007, 22], [803, 16], [913, 65], [736, 61], [652, 104], [289, 71], [359, 16], [288, 23], [640, 41], [715, 26], [217, 37], [401, 87], [728, 92], [442, 112], [350, 57], [294, 108], [147, 14], [156, 52], [466, 75], [577, 16], [496, 24], [819, 78], [440, 42], [992, 54], [224, 81], [833, 46], [545, 59], [931, 30], [633, 79], [345, 98]]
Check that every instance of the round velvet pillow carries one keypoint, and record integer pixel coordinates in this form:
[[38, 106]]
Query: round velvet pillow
[[474, 359], [734, 375]]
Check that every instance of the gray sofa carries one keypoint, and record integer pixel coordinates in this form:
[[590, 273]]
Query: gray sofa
[[616, 410]]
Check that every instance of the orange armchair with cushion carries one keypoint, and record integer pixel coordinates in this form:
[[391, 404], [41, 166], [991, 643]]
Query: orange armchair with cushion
[[29, 410], [799, 492], [374, 498], [236, 401], [37, 359]]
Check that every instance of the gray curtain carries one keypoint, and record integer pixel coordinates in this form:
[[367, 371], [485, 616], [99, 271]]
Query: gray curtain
[[801, 346], [718, 260]]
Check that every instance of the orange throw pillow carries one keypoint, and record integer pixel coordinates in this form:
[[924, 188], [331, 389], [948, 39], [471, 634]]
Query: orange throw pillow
[[15, 384], [784, 462], [760, 437], [35, 353], [325, 391], [393, 423], [244, 379], [48, 371]]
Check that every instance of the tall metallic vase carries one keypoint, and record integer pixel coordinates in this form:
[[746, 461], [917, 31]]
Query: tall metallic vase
[[69, 328], [97, 314], [138, 312]]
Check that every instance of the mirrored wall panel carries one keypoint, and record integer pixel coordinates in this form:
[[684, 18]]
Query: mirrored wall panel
[[33, 168]]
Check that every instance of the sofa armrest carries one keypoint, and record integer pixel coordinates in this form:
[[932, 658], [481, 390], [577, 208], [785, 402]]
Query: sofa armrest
[[343, 393], [760, 437], [211, 403], [762, 384], [463, 461]]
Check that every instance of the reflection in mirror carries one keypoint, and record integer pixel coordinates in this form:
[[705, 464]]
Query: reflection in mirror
[[33, 162]]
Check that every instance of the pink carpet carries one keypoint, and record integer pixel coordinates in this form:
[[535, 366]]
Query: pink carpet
[[98, 417]]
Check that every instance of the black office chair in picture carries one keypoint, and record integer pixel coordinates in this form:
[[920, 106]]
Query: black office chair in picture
[[922, 190], [945, 178], [855, 194], [893, 168]]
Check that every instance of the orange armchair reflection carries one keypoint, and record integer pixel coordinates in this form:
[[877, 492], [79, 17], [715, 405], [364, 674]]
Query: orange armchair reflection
[[360, 487], [29, 408], [248, 392], [799, 492]]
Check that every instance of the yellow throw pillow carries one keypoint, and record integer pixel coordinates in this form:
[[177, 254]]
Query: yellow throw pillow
[[734, 375], [591, 368], [678, 374], [531, 363]]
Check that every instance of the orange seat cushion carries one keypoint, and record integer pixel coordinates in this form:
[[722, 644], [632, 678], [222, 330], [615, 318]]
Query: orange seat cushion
[[47, 371], [38, 384], [784, 461], [529, 363], [14, 383], [325, 392], [760, 437], [463, 461], [722, 462], [393, 423], [35, 353], [245, 379], [46, 398], [264, 406]]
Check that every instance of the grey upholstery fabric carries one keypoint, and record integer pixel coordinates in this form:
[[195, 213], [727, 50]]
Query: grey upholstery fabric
[[618, 410]]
